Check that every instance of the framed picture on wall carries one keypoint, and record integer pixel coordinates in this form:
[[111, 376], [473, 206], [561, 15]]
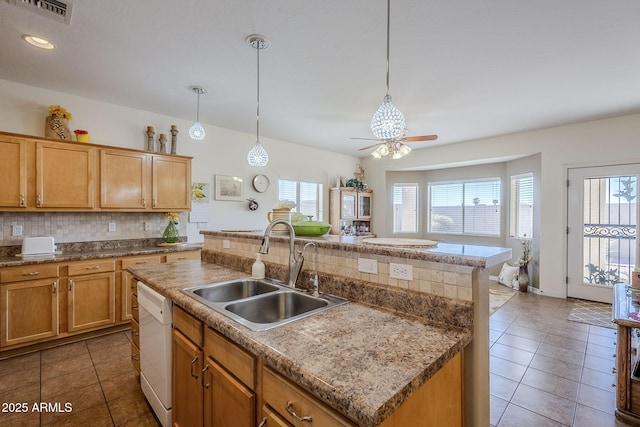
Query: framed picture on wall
[[229, 188]]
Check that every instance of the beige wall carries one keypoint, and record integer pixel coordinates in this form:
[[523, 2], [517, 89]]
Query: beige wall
[[23, 110], [608, 141]]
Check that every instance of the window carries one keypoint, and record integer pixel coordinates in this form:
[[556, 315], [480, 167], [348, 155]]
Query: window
[[405, 208], [521, 206], [306, 195], [465, 207]]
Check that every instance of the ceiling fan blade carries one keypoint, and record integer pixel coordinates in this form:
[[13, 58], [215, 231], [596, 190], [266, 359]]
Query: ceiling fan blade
[[368, 146], [419, 138], [366, 139]]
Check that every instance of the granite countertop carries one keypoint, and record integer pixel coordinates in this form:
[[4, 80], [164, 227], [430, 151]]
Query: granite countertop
[[362, 360], [450, 253], [95, 250]]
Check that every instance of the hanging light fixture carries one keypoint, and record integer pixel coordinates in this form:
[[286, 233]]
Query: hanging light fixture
[[387, 122], [258, 156], [196, 131]]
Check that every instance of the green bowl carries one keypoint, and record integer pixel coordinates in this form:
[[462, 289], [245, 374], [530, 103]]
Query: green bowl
[[311, 228]]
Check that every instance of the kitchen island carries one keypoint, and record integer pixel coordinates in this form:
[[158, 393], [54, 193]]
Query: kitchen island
[[364, 372]]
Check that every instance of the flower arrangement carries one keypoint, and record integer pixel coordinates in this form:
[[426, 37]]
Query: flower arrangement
[[171, 217], [56, 110], [525, 258], [284, 204], [80, 132]]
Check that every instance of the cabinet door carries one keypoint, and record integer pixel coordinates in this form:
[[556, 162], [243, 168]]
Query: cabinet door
[[91, 301], [29, 311], [348, 204], [228, 402], [13, 173], [65, 175], [187, 405], [124, 179], [171, 183], [364, 205]]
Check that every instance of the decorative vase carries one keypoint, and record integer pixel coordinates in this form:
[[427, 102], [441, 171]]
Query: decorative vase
[[523, 278], [279, 213], [57, 127], [170, 234], [83, 137]]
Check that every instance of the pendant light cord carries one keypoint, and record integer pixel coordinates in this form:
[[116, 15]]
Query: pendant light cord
[[198, 106], [258, 47], [388, 31]]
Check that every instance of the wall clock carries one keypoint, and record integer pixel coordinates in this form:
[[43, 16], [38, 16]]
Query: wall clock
[[260, 183]]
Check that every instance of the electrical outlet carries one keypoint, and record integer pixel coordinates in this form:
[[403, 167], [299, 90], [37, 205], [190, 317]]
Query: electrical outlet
[[226, 244], [148, 226], [401, 271], [112, 226], [366, 265], [16, 230]]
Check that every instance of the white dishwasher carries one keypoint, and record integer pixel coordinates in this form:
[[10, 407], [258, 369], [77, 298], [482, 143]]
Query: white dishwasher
[[155, 351]]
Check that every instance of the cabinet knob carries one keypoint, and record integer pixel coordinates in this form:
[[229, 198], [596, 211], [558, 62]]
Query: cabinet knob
[[22, 202], [193, 364], [205, 385], [263, 422], [70, 284], [135, 357], [614, 370], [144, 203], [39, 200], [55, 287]]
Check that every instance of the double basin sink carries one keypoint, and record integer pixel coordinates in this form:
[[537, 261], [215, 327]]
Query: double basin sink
[[260, 304]]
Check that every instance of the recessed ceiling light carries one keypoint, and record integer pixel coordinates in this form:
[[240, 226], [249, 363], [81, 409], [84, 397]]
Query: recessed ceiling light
[[38, 42]]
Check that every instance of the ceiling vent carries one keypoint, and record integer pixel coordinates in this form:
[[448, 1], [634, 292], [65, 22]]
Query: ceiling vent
[[53, 9]]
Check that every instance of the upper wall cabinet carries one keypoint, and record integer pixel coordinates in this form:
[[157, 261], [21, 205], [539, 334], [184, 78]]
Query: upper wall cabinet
[[124, 179], [46, 175], [65, 175], [13, 172]]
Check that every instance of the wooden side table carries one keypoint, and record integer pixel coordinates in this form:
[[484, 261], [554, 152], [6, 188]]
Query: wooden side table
[[626, 315]]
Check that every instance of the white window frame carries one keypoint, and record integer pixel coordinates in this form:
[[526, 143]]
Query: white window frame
[[515, 203], [318, 216], [415, 208], [464, 182]]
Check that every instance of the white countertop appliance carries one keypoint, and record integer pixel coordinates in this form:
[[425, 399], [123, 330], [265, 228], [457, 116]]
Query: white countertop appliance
[[155, 351], [38, 246]]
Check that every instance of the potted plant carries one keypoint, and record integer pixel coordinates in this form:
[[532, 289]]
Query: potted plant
[[57, 123]]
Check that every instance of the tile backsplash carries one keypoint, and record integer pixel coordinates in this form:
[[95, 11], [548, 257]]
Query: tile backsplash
[[84, 226]]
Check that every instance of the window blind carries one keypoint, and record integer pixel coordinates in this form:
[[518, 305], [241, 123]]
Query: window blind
[[405, 208]]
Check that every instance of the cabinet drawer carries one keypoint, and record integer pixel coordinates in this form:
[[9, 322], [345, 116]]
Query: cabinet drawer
[[272, 419], [93, 266], [235, 359], [182, 256], [188, 325], [28, 272], [288, 399], [140, 260], [134, 308]]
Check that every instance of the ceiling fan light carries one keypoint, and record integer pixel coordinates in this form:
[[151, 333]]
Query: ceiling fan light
[[400, 151], [387, 122], [376, 154], [258, 156], [196, 131]]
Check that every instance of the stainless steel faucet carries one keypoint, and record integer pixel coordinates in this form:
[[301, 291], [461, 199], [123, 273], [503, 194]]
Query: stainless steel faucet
[[264, 249], [314, 277]]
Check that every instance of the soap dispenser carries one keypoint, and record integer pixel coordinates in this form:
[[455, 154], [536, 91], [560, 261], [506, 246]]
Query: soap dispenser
[[257, 270]]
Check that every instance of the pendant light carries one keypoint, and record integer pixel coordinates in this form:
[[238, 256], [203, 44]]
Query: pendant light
[[258, 156], [387, 122], [196, 131]]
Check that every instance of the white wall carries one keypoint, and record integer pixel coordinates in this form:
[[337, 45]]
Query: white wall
[[607, 141], [23, 110]]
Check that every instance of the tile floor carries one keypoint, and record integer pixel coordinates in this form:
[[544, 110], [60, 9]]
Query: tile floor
[[545, 371], [549, 371], [94, 376]]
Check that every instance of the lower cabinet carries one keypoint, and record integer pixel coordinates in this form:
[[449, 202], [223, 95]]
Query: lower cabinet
[[228, 402], [91, 298], [187, 382]]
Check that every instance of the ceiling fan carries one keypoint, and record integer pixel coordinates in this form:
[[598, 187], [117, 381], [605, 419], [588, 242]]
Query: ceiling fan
[[395, 146]]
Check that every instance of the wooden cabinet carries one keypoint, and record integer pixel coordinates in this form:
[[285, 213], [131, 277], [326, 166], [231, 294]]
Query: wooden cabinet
[[135, 329], [171, 183], [40, 174], [187, 376], [350, 211], [124, 179], [13, 172], [216, 391], [128, 286], [65, 176], [91, 299], [295, 405], [28, 303]]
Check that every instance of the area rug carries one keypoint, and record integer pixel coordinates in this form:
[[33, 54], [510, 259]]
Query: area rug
[[592, 313], [498, 298]]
